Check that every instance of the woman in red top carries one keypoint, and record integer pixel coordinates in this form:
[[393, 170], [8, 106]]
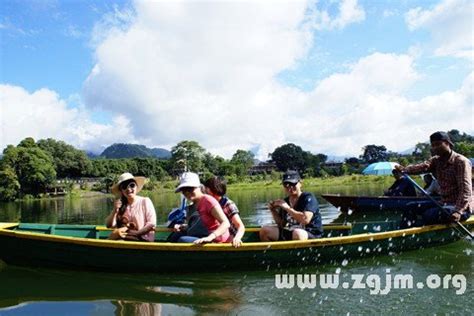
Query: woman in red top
[[210, 212]]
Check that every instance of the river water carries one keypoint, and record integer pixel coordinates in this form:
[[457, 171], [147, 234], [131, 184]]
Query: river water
[[27, 291]]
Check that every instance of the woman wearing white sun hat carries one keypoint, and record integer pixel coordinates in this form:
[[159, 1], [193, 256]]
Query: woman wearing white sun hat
[[210, 212], [133, 216]]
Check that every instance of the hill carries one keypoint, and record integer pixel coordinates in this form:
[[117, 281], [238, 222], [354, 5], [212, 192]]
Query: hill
[[116, 151]]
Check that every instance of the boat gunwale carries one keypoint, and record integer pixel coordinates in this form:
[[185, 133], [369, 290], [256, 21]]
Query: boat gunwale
[[381, 197], [226, 247]]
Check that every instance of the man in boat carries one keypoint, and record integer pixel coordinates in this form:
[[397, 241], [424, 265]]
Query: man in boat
[[454, 174], [401, 187], [431, 185], [297, 216]]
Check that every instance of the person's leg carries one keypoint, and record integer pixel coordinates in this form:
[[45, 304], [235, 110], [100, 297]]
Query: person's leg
[[174, 236], [269, 233], [299, 234], [436, 215], [187, 239]]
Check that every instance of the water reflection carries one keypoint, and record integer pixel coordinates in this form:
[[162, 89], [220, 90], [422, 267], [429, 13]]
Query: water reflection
[[93, 210], [43, 291], [138, 294]]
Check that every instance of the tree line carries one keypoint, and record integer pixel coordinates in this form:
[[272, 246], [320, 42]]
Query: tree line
[[31, 167]]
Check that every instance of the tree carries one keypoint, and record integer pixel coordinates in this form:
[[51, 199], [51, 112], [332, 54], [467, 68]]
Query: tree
[[456, 136], [289, 156], [243, 158], [374, 153], [422, 151], [33, 166], [187, 155], [9, 185], [465, 148], [69, 162], [314, 163]]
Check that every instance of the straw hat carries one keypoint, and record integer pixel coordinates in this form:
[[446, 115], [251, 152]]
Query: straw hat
[[188, 179], [125, 177]]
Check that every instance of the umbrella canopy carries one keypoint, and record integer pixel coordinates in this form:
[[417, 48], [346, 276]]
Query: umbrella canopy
[[382, 168]]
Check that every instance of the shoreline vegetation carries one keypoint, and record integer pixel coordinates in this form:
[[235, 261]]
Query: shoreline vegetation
[[169, 186], [48, 167]]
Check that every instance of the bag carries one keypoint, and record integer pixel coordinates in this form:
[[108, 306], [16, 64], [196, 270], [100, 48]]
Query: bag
[[196, 227]]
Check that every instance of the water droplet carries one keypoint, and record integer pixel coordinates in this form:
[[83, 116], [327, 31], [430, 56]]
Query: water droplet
[[344, 262]]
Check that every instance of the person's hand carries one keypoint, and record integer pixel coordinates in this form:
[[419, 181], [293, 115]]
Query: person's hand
[[271, 205], [237, 242], [179, 227], [400, 168], [282, 204], [456, 216], [118, 233], [117, 205], [205, 240], [131, 232]]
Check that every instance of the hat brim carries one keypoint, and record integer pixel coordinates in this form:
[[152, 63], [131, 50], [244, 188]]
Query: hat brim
[[293, 181], [140, 183], [186, 185]]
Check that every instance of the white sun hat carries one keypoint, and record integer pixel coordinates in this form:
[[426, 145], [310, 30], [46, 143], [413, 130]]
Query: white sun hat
[[188, 179], [125, 177]]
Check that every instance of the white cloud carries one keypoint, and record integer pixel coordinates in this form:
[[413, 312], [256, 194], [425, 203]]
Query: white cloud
[[349, 12], [42, 114], [450, 24], [206, 72]]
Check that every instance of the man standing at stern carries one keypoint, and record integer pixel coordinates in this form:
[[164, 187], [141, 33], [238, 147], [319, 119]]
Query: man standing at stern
[[454, 174]]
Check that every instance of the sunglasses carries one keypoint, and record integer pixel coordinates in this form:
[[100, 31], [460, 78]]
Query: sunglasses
[[289, 185], [187, 189], [131, 185]]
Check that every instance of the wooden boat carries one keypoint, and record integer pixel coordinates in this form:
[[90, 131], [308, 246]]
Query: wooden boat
[[356, 203], [87, 247]]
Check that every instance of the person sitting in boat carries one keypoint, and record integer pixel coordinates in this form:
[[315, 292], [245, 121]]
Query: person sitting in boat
[[210, 212], [297, 216], [454, 174], [217, 188], [431, 185], [133, 216], [401, 186]]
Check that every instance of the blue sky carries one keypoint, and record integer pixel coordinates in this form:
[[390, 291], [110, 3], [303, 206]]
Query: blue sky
[[160, 72]]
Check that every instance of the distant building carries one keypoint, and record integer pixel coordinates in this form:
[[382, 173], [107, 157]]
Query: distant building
[[332, 165], [262, 168]]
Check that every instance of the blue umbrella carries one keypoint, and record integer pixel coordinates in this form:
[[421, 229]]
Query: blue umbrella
[[382, 168]]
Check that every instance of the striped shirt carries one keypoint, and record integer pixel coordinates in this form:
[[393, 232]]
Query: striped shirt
[[454, 176]]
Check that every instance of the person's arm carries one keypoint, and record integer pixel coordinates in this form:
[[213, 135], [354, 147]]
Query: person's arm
[[464, 182], [111, 220], [219, 215], [237, 222], [426, 166], [303, 218], [276, 214]]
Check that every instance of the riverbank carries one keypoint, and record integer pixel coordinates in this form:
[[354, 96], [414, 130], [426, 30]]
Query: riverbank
[[169, 186]]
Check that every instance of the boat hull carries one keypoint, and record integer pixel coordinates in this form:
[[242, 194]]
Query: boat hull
[[44, 250], [359, 204]]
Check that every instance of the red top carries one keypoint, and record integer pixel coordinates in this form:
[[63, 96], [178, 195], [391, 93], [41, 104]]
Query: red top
[[204, 207]]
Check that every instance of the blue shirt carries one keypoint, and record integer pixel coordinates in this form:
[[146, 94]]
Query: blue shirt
[[307, 202]]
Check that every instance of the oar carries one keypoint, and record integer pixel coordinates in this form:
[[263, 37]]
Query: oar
[[438, 205]]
